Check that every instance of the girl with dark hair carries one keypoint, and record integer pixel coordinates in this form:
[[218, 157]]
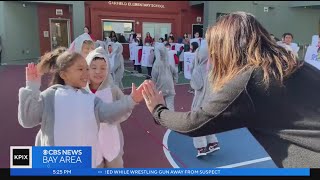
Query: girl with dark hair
[[172, 38], [186, 42], [194, 46], [113, 36]]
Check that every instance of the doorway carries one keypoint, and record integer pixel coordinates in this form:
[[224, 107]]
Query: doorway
[[197, 28], [156, 30], [59, 33]]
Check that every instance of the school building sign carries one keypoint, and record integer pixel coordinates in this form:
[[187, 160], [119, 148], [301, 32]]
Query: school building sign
[[135, 4]]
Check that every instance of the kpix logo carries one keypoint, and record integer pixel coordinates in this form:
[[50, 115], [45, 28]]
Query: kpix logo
[[20, 157]]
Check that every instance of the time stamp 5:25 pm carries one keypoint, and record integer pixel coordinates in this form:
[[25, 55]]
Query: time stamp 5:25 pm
[[61, 171]]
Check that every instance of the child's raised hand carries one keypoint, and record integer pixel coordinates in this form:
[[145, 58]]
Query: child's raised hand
[[32, 73], [136, 93]]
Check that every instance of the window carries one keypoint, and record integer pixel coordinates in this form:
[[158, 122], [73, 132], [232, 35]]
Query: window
[[122, 28], [220, 14]]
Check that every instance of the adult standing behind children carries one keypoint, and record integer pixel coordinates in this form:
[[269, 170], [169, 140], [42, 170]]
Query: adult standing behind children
[[87, 30], [148, 39], [171, 37], [132, 37], [113, 36], [186, 41]]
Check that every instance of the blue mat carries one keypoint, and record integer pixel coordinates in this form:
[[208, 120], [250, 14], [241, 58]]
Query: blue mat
[[238, 149]]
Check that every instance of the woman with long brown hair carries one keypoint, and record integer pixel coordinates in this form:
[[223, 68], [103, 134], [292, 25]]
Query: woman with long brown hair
[[256, 84], [148, 39]]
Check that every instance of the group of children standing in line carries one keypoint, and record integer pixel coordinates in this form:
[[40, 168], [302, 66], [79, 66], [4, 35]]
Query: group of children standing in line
[[84, 104], [167, 40]]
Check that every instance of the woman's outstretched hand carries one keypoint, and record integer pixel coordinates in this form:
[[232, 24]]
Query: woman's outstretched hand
[[32, 73], [151, 95]]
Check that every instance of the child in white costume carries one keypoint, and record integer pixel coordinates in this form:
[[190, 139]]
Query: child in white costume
[[164, 75], [83, 44], [110, 145], [68, 114], [99, 43], [118, 68], [313, 52], [112, 53], [199, 82]]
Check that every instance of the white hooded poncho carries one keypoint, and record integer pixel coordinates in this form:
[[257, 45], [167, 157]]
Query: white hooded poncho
[[163, 74], [110, 138]]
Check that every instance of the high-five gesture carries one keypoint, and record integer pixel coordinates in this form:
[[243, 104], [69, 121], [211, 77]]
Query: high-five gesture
[[136, 94], [32, 73], [151, 95]]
